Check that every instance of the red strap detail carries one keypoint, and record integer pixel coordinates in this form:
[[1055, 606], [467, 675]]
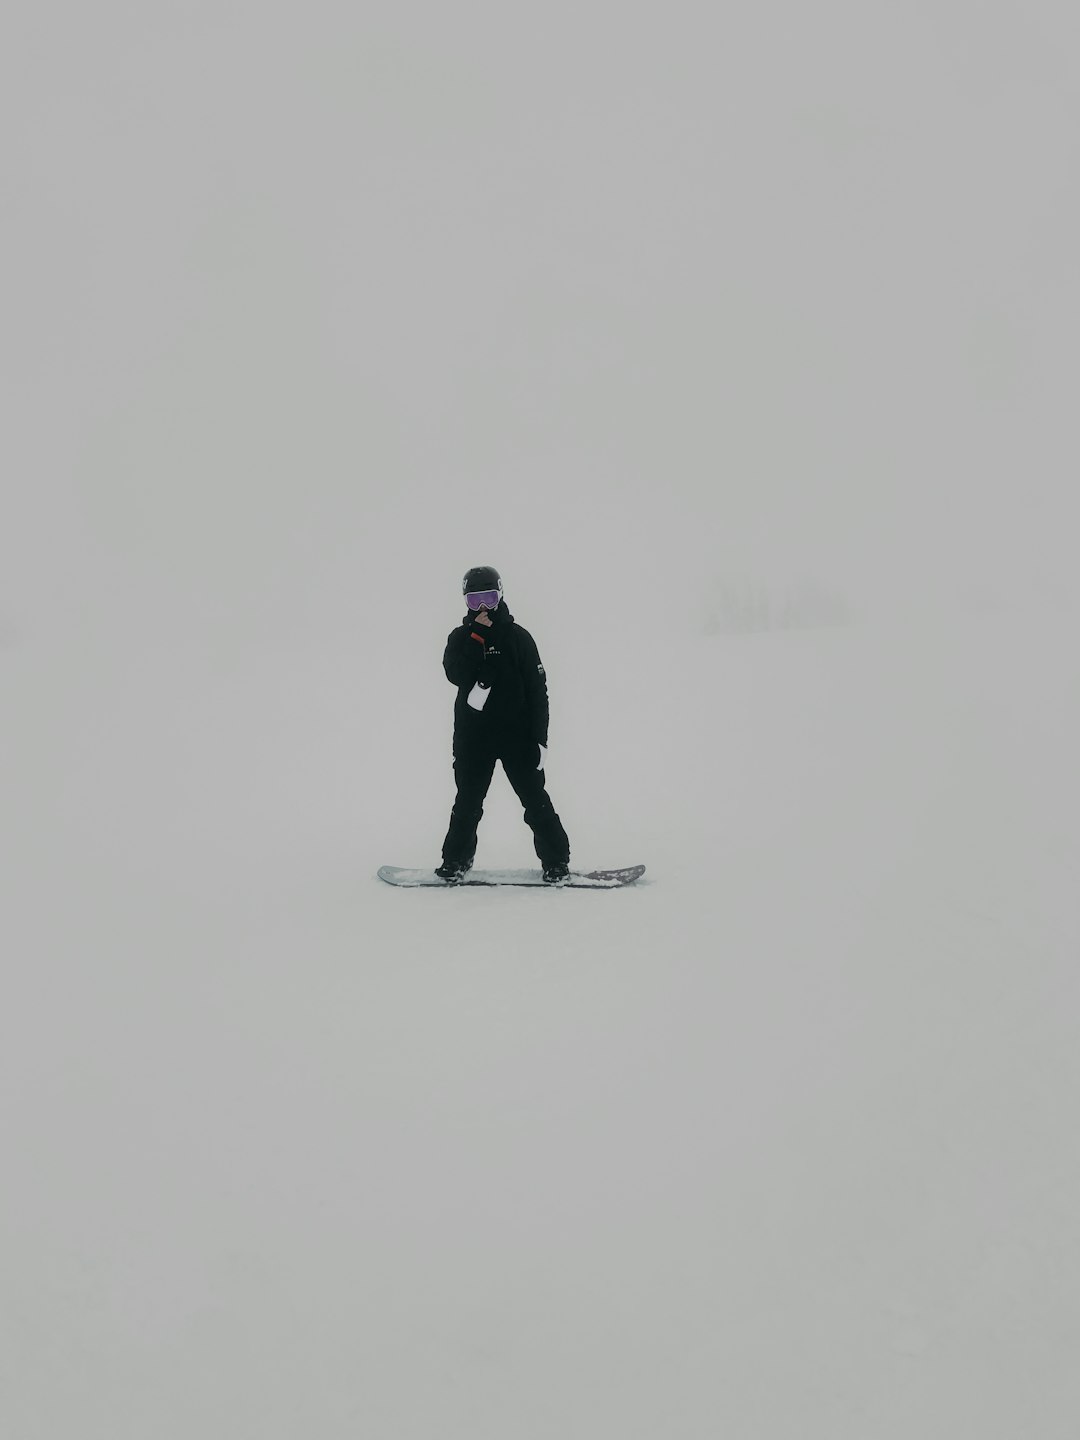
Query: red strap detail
[[473, 636]]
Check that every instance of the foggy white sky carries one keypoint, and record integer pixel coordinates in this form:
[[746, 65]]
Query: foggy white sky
[[303, 310], [299, 301]]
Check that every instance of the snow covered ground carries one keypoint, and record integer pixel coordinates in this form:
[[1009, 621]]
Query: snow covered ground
[[782, 1142], [747, 353]]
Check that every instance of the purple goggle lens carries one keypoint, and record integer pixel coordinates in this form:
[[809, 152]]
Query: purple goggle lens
[[482, 599]]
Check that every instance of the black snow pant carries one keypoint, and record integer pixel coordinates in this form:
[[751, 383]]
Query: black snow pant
[[473, 772]]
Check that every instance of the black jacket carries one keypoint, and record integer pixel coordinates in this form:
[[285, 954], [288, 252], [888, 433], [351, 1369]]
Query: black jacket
[[498, 668]]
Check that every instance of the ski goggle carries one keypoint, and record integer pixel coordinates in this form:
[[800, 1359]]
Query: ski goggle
[[482, 599]]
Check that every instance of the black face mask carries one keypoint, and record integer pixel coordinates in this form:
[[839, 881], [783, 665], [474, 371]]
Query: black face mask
[[495, 615]]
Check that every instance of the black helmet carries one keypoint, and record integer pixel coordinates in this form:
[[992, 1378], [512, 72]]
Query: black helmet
[[482, 577]]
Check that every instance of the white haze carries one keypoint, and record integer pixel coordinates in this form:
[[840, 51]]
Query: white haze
[[744, 343]]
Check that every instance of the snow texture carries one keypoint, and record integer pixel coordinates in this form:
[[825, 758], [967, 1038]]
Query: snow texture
[[743, 343]]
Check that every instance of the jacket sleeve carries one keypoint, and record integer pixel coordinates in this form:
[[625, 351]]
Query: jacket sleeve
[[536, 691], [463, 656]]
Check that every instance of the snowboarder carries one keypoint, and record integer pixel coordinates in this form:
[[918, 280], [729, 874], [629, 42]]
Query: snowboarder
[[501, 713]]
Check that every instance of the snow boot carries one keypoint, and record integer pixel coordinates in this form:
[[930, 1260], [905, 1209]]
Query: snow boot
[[556, 872], [454, 871]]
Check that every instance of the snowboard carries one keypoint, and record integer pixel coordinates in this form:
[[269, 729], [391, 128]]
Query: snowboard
[[577, 880]]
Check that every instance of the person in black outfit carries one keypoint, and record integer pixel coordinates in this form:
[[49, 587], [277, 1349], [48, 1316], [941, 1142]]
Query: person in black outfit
[[501, 713]]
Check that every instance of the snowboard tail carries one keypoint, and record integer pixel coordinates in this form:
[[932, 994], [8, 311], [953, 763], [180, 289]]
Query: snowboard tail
[[577, 879]]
